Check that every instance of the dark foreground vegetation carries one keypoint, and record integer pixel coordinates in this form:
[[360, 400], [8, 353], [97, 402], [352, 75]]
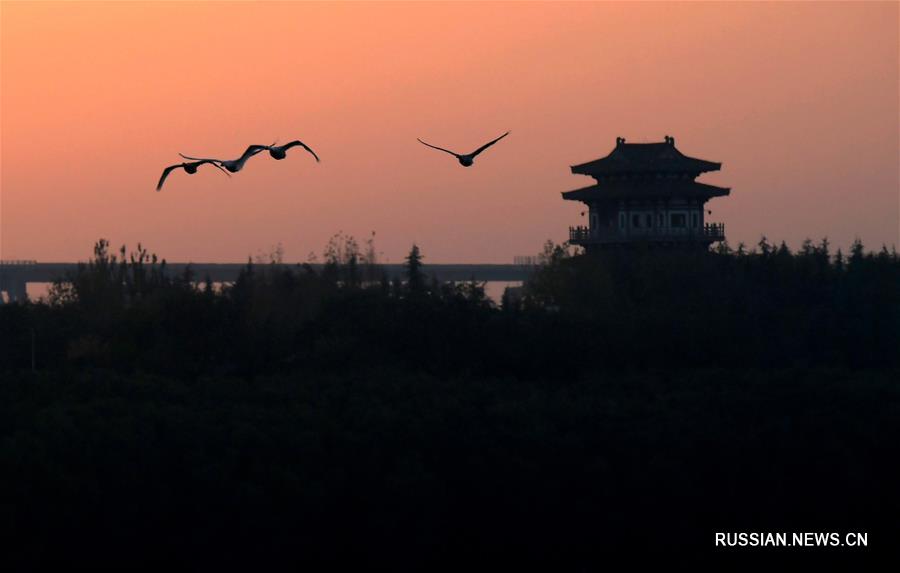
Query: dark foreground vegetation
[[623, 405]]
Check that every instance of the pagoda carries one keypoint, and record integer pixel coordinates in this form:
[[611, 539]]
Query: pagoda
[[646, 193]]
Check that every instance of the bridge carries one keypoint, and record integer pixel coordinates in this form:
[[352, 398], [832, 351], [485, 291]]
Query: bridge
[[15, 275]]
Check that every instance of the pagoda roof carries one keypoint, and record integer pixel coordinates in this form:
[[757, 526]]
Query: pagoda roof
[[647, 189], [644, 158]]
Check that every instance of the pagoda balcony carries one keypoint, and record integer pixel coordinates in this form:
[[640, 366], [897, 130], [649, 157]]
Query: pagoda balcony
[[708, 233]]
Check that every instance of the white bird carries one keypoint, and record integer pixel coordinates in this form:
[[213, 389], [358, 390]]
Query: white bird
[[190, 168], [280, 151], [466, 160], [233, 165]]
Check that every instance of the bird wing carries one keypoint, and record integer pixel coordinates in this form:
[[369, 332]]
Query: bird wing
[[200, 158], [296, 142], [165, 174], [439, 148], [488, 144], [214, 164], [251, 151]]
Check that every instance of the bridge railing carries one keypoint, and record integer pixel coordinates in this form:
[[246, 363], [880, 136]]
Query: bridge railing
[[527, 260], [17, 262]]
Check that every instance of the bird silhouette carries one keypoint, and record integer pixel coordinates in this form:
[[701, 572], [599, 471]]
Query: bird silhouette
[[233, 165], [190, 168], [280, 151], [467, 159]]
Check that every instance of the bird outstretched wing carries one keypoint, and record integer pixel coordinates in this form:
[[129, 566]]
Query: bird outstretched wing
[[165, 174], [251, 151], [214, 164], [296, 142], [488, 144], [438, 148], [201, 159]]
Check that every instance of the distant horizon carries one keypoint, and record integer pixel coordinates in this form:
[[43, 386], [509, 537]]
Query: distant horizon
[[799, 102], [261, 257]]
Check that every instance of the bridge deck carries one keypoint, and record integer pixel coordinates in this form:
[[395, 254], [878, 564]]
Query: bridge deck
[[14, 274]]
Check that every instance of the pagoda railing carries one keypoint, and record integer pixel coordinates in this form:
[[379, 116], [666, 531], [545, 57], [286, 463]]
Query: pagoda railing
[[709, 232]]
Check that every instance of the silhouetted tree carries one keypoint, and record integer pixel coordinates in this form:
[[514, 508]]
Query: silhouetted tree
[[415, 278]]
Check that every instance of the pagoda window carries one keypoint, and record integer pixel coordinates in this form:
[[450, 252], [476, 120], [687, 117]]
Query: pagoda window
[[660, 220], [678, 220], [649, 220], [636, 221]]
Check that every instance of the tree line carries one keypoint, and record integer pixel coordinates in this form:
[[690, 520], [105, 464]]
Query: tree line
[[762, 307], [622, 405]]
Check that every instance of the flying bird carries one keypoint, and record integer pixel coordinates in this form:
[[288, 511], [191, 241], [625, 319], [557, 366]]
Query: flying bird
[[466, 160], [280, 151], [233, 165], [190, 168]]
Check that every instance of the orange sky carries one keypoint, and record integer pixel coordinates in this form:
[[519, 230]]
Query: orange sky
[[799, 102]]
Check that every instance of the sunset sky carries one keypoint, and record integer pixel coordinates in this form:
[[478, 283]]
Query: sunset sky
[[799, 101]]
